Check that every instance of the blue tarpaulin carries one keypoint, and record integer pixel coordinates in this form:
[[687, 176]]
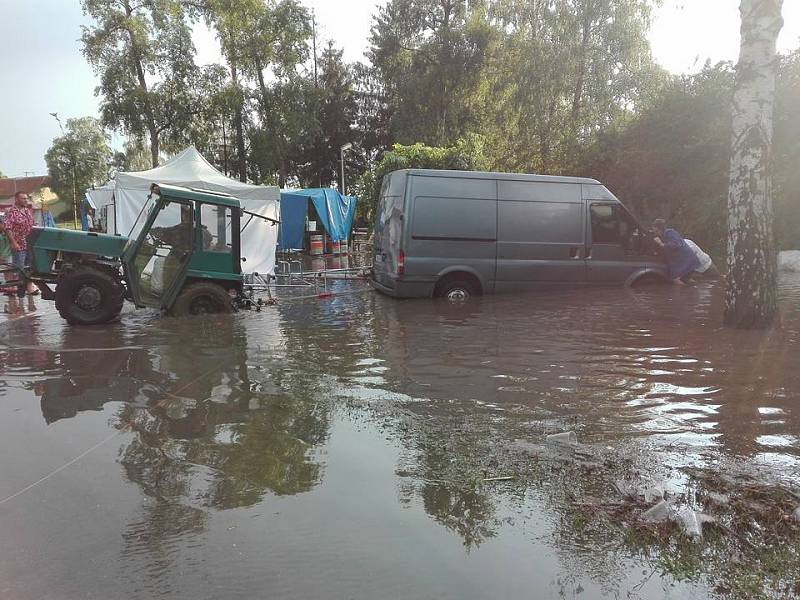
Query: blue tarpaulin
[[291, 231], [335, 213]]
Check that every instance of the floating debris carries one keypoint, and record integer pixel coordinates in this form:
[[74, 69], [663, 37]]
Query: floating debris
[[565, 438], [659, 513]]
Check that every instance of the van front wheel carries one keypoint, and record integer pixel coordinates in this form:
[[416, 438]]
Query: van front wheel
[[456, 290]]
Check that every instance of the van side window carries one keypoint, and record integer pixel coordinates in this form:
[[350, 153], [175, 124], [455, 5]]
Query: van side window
[[611, 225]]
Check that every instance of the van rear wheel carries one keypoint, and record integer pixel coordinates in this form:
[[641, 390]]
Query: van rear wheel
[[456, 290]]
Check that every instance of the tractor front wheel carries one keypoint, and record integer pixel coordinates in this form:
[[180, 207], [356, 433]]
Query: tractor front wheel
[[89, 296], [202, 298]]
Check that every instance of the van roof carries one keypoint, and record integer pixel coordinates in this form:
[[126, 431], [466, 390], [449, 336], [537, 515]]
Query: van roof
[[496, 175]]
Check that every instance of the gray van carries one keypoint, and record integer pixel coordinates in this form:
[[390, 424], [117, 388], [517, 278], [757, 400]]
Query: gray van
[[461, 233]]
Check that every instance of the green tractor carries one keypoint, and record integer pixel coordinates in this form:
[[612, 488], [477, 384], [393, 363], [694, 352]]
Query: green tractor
[[183, 256]]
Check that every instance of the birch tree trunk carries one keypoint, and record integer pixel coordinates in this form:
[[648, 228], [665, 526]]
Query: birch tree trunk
[[750, 297]]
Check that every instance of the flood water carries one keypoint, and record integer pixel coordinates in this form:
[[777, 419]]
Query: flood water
[[320, 448]]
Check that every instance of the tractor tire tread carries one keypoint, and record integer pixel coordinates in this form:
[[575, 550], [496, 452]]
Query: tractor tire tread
[[114, 296], [218, 295]]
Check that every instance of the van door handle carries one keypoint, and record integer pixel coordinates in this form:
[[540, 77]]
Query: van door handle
[[574, 252]]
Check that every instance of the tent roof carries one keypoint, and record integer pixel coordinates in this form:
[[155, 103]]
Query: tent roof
[[190, 169]]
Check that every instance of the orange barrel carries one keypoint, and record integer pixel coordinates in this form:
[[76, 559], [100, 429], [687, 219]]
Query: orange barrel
[[343, 246], [316, 245], [333, 247]]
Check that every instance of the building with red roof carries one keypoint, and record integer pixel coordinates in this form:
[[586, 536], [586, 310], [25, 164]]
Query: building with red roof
[[38, 188]]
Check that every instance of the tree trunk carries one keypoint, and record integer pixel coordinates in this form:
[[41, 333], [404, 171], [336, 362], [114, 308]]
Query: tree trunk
[[155, 148], [751, 292], [152, 129]]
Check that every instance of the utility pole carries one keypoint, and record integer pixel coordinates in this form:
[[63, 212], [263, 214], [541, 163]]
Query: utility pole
[[224, 148], [318, 150], [74, 190], [342, 150], [314, 44]]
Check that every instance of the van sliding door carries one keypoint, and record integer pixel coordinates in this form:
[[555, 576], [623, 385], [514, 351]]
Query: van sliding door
[[453, 226], [540, 234]]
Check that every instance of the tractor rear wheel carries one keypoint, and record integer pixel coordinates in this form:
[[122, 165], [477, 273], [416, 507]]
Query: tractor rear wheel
[[89, 296], [202, 298]]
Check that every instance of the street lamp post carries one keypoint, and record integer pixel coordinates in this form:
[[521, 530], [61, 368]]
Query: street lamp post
[[342, 150], [72, 163]]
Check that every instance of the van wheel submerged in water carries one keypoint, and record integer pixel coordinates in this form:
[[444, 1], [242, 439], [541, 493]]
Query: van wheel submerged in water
[[457, 288]]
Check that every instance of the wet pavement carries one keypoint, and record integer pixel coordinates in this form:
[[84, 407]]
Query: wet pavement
[[348, 447]]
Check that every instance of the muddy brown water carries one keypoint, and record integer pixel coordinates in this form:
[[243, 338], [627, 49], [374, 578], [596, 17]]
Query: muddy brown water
[[279, 454]]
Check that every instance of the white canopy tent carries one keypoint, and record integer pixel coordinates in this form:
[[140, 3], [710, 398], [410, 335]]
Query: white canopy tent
[[101, 199], [189, 169]]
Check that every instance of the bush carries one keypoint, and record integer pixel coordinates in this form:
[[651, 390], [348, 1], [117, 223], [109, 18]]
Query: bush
[[465, 155]]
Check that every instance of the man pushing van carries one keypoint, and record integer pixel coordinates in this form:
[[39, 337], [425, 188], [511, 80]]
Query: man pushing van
[[681, 260]]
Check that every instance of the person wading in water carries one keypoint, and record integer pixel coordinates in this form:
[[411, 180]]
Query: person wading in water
[[681, 261]]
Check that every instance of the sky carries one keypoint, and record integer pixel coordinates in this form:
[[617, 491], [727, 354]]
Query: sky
[[42, 69]]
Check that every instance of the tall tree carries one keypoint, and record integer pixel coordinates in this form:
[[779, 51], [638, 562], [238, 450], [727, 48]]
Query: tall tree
[[671, 159], [373, 112], [78, 159], [564, 70], [751, 291], [231, 19], [335, 116], [134, 156], [264, 41], [430, 55], [785, 150], [143, 53]]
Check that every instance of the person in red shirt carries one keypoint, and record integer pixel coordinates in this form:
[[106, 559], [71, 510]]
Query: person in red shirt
[[19, 222]]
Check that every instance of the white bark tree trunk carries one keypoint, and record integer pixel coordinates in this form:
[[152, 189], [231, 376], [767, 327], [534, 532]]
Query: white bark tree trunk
[[750, 299]]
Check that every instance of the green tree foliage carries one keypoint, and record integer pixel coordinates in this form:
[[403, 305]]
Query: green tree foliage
[[373, 112], [263, 43], [671, 159], [430, 55], [143, 53], [134, 156], [226, 16], [334, 116], [83, 153], [562, 73], [465, 155], [785, 151]]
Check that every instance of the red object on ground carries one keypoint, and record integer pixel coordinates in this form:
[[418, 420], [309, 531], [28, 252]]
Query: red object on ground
[[325, 295]]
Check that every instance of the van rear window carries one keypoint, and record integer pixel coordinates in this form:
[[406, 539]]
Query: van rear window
[[392, 196]]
